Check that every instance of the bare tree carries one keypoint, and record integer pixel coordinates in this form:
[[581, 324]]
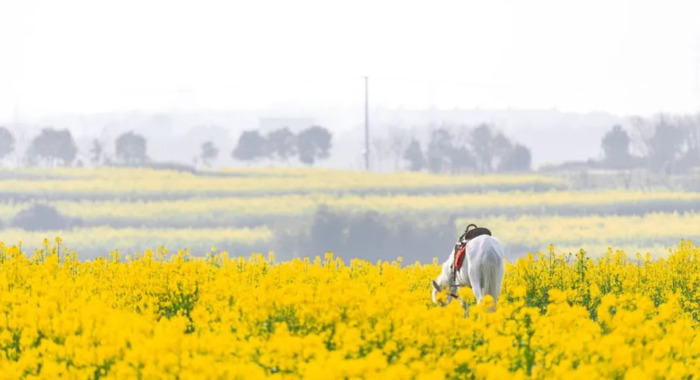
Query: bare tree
[[642, 131], [439, 151], [690, 125], [96, 152], [381, 153], [399, 140]]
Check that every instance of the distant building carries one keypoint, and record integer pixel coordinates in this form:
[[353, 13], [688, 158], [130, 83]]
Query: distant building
[[268, 124]]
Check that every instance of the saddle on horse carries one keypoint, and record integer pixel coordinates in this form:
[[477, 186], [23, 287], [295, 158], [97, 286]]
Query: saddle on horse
[[461, 246]]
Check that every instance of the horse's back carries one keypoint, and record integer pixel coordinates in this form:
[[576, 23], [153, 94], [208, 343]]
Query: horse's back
[[485, 245]]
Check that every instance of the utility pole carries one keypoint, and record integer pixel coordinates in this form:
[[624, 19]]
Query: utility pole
[[367, 123]]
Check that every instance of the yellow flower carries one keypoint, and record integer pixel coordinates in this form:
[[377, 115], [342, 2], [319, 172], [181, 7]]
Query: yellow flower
[[157, 315]]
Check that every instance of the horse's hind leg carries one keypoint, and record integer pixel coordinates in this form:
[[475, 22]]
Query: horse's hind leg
[[497, 287], [475, 280]]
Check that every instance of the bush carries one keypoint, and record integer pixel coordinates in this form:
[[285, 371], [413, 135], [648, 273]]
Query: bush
[[371, 236], [43, 217]]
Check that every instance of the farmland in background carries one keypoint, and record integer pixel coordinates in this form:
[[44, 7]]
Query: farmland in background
[[297, 212]]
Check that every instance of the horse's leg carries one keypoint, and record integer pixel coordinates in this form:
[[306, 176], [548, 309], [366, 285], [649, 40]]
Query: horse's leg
[[499, 281], [475, 280]]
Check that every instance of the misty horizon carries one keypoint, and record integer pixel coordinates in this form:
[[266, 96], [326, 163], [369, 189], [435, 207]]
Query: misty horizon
[[169, 134], [553, 77], [624, 58]]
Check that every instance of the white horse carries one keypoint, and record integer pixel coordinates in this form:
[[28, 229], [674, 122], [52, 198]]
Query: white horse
[[482, 270]]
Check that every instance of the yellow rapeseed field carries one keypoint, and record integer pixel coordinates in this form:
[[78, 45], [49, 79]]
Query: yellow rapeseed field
[[171, 315], [132, 182], [652, 232], [292, 205]]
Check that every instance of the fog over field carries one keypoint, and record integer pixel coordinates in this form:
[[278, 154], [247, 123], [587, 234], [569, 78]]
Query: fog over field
[[551, 76]]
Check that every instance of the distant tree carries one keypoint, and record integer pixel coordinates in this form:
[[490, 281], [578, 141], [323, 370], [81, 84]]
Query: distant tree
[[666, 144], [439, 150], [690, 158], [414, 156], [96, 151], [282, 144], [615, 144], [399, 141], [518, 159], [209, 152], [251, 146], [7, 142], [463, 149], [461, 159], [53, 147], [489, 146], [640, 135], [502, 147], [313, 143], [380, 153], [130, 149]]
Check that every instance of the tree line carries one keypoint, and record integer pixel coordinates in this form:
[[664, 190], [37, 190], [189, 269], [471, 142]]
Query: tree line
[[57, 147], [668, 144], [308, 146], [482, 149], [479, 149]]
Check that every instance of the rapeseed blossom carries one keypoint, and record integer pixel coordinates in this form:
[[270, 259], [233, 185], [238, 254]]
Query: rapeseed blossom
[[164, 314]]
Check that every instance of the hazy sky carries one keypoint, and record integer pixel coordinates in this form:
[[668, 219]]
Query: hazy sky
[[626, 57]]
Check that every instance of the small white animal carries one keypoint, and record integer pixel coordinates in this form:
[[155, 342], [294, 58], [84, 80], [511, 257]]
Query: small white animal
[[482, 270]]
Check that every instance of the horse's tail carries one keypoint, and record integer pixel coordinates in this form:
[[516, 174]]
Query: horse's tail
[[493, 273]]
